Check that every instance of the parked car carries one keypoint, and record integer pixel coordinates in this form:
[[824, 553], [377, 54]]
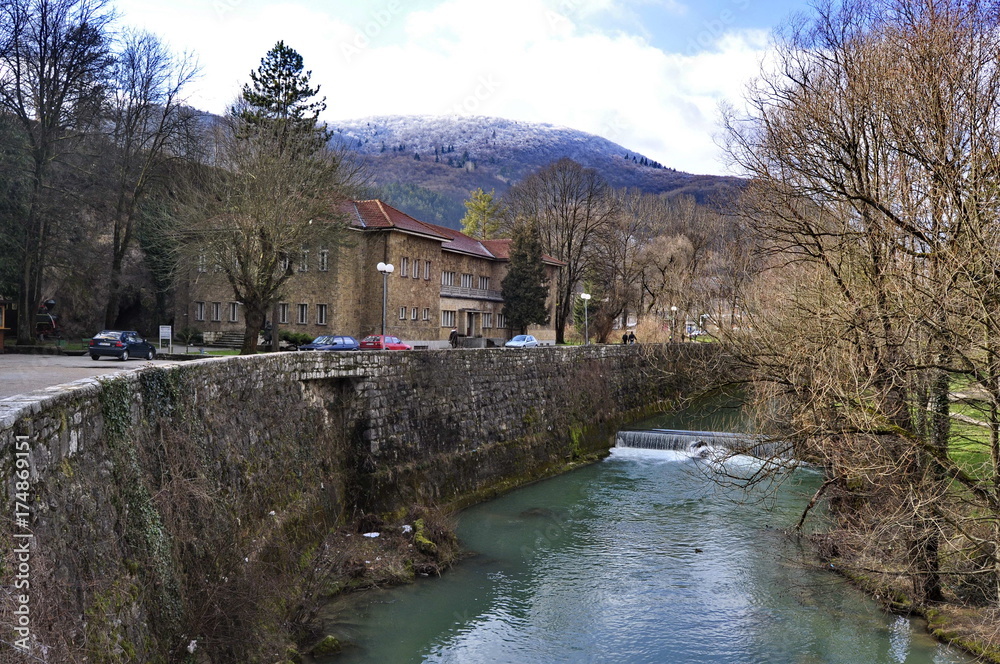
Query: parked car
[[383, 342], [522, 341], [120, 344], [332, 342]]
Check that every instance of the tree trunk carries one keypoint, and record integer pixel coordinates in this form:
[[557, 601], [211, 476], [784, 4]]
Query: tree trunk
[[255, 321], [275, 331], [31, 270], [114, 296]]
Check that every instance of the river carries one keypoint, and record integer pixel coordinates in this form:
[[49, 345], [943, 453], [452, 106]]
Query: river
[[638, 558]]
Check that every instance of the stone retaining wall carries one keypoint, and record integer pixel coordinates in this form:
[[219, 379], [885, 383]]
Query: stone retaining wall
[[160, 500]]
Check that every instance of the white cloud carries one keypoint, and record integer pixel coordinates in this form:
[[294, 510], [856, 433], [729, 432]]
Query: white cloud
[[534, 60]]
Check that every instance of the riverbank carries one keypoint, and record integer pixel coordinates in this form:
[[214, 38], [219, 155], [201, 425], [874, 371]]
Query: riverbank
[[975, 630], [371, 552]]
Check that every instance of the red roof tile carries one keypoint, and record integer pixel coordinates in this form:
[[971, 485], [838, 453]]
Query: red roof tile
[[377, 214], [499, 248]]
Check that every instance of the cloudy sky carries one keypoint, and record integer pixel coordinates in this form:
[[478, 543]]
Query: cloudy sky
[[648, 74]]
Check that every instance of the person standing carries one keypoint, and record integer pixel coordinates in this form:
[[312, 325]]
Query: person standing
[[453, 337], [631, 337]]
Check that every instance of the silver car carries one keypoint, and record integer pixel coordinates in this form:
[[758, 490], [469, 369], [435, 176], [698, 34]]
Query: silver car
[[522, 341]]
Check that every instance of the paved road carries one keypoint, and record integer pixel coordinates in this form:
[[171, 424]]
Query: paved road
[[26, 373]]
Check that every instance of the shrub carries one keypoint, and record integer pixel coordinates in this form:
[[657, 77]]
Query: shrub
[[190, 336]]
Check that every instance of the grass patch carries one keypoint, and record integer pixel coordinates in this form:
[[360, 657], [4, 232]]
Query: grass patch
[[222, 352], [969, 452]]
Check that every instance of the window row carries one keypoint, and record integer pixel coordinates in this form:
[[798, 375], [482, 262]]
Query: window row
[[215, 309], [301, 313], [301, 310], [404, 268], [426, 315], [468, 280], [323, 264], [449, 319]]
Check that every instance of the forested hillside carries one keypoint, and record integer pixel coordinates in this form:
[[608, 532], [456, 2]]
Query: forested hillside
[[426, 165]]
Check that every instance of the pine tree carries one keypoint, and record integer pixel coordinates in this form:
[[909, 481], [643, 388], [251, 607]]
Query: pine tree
[[524, 287], [277, 177], [280, 100]]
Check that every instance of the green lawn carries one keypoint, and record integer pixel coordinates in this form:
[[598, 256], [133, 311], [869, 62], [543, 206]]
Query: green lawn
[[970, 443]]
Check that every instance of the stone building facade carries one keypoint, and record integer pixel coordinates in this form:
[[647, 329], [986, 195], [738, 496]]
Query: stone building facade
[[442, 280]]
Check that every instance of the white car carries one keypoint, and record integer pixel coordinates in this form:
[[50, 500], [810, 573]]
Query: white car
[[522, 341]]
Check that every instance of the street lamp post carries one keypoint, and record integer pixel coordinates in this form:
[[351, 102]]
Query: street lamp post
[[386, 269], [673, 322], [586, 324]]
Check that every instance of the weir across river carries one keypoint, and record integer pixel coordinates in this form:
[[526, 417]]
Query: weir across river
[[702, 441]]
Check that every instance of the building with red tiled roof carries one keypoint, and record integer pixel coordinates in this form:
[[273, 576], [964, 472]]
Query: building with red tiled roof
[[443, 280]]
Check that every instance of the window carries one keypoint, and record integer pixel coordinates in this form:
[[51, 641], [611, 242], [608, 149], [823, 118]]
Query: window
[[304, 262], [427, 269], [202, 264], [216, 311], [402, 313], [416, 268], [285, 263], [487, 321], [447, 319], [321, 314], [413, 313], [447, 278], [466, 281], [324, 260], [199, 311], [404, 266], [501, 321], [283, 312], [234, 312], [427, 314], [303, 314], [484, 283]]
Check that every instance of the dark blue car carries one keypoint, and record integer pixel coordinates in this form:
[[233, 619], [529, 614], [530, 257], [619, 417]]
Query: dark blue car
[[332, 342], [120, 344]]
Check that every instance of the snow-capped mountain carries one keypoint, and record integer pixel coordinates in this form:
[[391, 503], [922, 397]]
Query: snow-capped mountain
[[434, 161]]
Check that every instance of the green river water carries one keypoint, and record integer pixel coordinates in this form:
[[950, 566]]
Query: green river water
[[638, 558]]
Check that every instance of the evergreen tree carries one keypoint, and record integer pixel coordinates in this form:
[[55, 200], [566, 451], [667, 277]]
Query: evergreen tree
[[524, 287], [280, 100], [275, 189], [482, 215]]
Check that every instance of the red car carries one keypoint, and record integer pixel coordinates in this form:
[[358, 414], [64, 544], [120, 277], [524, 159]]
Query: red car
[[380, 342]]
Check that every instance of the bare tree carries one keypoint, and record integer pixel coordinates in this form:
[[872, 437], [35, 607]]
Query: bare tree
[[873, 147], [615, 273], [148, 121], [272, 191], [54, 62], [569, 204]]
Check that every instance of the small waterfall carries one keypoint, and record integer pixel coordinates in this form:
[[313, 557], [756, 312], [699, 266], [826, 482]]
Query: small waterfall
[[699, 442]]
